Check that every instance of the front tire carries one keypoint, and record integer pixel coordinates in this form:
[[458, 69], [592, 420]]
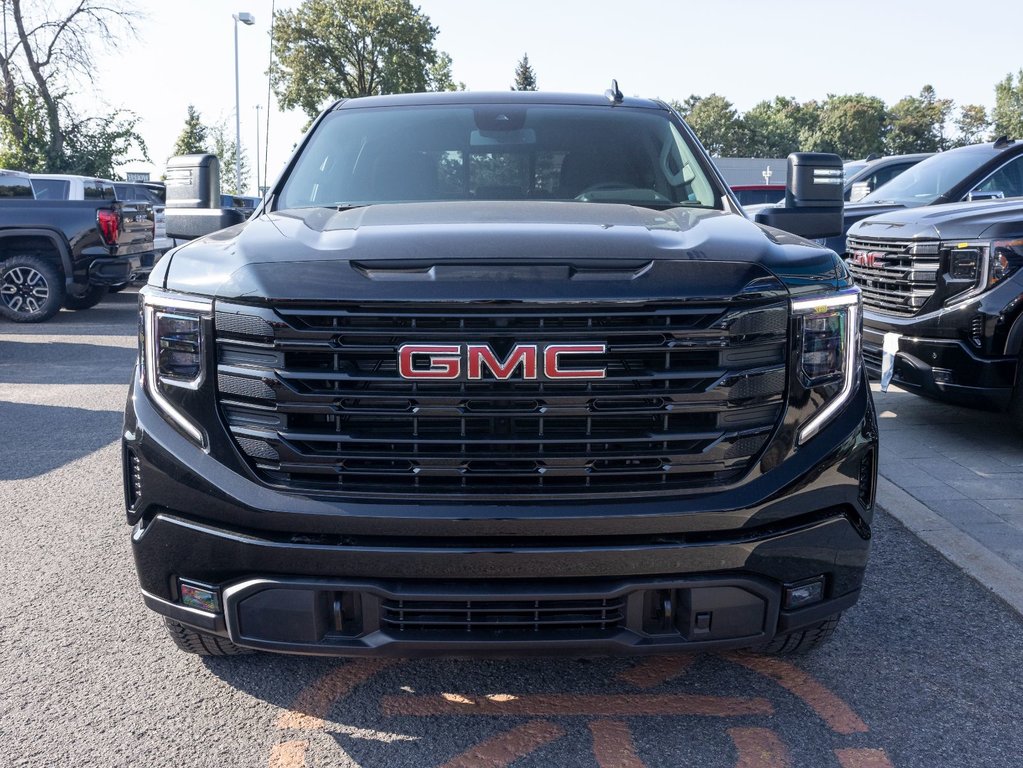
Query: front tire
[[93, 295], [31, 289], [200, 643], [802, 640]]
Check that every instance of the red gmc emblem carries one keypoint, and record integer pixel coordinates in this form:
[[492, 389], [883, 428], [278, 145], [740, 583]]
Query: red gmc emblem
[[445, 362], [868, 259]]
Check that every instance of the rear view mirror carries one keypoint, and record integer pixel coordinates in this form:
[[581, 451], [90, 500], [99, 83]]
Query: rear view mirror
[[813, 197], [193, 198]]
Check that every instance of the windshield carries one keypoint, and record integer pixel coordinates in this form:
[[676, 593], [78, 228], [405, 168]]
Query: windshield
[[849, 170], [929, 179], [497, 152]]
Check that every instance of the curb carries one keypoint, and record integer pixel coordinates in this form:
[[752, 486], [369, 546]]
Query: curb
[[958, 547]]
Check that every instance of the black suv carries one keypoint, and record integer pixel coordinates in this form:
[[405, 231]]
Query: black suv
[[944, 283], [497, 373], [978, 172]]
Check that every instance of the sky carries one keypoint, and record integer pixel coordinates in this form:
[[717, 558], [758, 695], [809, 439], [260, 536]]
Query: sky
[[744, 50]]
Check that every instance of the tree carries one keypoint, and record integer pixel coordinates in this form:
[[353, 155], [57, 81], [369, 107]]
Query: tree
[[226, 149], [972, 125], [194, 136], [717, 125], [525, 77], [917, 124], [851, 126], [332, 49], [440, 77], [47, 58], [773, 128], [1007, 116]]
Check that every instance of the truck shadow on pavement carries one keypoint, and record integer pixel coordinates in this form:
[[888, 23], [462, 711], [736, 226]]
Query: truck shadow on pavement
[[29, 447], [33, 362]]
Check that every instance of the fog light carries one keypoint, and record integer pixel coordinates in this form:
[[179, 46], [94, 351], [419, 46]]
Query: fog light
[[194, 594], [804, 593]]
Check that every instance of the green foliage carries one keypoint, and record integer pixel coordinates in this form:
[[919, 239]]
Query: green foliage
[[774, 128], [96, 145], [917, 124], [332, 49], [194, 136], [525, 77], [972, 124], [851, 126], [440, 77], [226, 149], [23, 139], [717, 124], [1007, 116]]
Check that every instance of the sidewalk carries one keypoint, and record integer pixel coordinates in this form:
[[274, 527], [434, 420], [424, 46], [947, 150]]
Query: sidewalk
[[955, 471]]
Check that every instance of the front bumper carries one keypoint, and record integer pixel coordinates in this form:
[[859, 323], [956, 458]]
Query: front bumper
[[942, 368], [305, 574]]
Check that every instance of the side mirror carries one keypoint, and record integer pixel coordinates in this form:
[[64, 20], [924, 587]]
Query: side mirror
[[190, 223], [813, 197]]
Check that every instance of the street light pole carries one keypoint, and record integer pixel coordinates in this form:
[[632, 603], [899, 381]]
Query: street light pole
[[259, 187], [248, 20]]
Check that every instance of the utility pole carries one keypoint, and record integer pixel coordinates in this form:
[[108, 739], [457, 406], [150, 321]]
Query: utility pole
[[259, 187]]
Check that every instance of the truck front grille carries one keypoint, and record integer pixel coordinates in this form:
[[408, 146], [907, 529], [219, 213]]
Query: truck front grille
[[897, 277], [314, 399]]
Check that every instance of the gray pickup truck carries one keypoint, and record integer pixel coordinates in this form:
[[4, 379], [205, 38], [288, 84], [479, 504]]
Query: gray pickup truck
[[65, 253]]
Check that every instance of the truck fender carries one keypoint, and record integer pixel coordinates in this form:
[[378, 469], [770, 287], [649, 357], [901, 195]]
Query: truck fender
[[1014, 341], [58, 243]]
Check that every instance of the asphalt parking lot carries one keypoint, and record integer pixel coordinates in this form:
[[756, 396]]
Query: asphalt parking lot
[[925, 671]]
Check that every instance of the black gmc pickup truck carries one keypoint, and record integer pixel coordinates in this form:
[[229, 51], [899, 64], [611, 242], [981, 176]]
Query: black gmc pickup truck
[[945, 285], [503, 373], [66, 253]]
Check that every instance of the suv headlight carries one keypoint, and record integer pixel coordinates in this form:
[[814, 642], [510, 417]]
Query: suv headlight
[[173, 352], [829, 344], [978, 267]]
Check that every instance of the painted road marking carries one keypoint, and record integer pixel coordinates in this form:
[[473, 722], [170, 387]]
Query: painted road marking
[[507, 747], [759, 748], [831, 709], [612, 745], [608, 716], [863, 758], [653, 671], [579, 705]]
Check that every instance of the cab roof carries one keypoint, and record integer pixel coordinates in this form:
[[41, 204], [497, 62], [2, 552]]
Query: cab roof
[[448, 98]]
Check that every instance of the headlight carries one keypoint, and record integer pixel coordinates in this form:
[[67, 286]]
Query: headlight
[[173, 352], [978, 267], [829, 344]]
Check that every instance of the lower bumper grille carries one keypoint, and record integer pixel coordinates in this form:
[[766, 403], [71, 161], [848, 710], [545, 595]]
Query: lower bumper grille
[[495, 617]]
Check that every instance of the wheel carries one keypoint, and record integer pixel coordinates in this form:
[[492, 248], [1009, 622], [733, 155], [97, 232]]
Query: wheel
[[31, 289], [1016, 403], [200, 643], [802, 640], [92, 296]]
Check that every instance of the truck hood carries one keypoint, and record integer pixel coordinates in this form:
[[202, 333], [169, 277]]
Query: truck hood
[[331, 254], [855, 212], [952, 221]]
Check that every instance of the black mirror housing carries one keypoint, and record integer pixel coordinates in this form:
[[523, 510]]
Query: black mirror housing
[[814, 193]]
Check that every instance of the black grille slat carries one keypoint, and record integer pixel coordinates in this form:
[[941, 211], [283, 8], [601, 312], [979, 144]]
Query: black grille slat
[[902, 277], [691, 397]]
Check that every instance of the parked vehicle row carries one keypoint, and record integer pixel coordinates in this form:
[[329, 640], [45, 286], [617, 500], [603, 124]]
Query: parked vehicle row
[[66, 253]]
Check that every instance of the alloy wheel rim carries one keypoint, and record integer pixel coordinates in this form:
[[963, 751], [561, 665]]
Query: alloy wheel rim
[[24, 290]]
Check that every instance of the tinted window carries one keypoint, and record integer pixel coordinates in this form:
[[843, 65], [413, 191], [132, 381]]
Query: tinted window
[[1006, 181], [498, 152], [927, 180], [97, 190], [51, 189], [15, 187]]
